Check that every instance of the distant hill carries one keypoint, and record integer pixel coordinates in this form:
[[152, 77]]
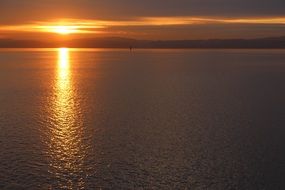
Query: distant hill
[[115, 42]]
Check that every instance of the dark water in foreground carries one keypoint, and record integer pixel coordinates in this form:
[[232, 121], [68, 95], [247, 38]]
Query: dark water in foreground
[[151, 119]]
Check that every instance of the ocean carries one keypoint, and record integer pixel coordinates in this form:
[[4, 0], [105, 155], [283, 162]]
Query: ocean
[[145, 119]]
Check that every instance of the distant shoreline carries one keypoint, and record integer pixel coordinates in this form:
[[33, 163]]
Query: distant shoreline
[[116, 42]]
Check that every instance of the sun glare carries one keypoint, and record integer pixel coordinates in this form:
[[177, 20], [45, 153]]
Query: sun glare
[[64, 30]]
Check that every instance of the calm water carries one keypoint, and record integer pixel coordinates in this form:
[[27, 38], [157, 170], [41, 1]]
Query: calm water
[[150, 119]]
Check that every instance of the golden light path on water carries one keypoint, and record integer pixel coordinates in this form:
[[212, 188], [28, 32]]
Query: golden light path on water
[[66, 150]]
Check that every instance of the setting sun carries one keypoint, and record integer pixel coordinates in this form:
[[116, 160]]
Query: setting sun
[[64, 30]]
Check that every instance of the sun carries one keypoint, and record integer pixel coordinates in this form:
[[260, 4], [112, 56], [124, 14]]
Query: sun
[[64, 30]]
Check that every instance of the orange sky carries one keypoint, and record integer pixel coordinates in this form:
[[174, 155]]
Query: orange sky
[[148, 19], [144, 28]]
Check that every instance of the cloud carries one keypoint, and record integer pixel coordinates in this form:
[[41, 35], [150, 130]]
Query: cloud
[[28, 10], [146, 19], [85, 24], [158, 27]]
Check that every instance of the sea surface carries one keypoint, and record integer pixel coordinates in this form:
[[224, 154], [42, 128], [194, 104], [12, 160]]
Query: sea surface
[[146, 119]]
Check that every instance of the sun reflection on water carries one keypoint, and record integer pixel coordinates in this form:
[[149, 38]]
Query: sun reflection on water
[[66, 133]]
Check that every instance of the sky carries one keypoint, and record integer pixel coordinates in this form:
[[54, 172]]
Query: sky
[[142, 19]]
